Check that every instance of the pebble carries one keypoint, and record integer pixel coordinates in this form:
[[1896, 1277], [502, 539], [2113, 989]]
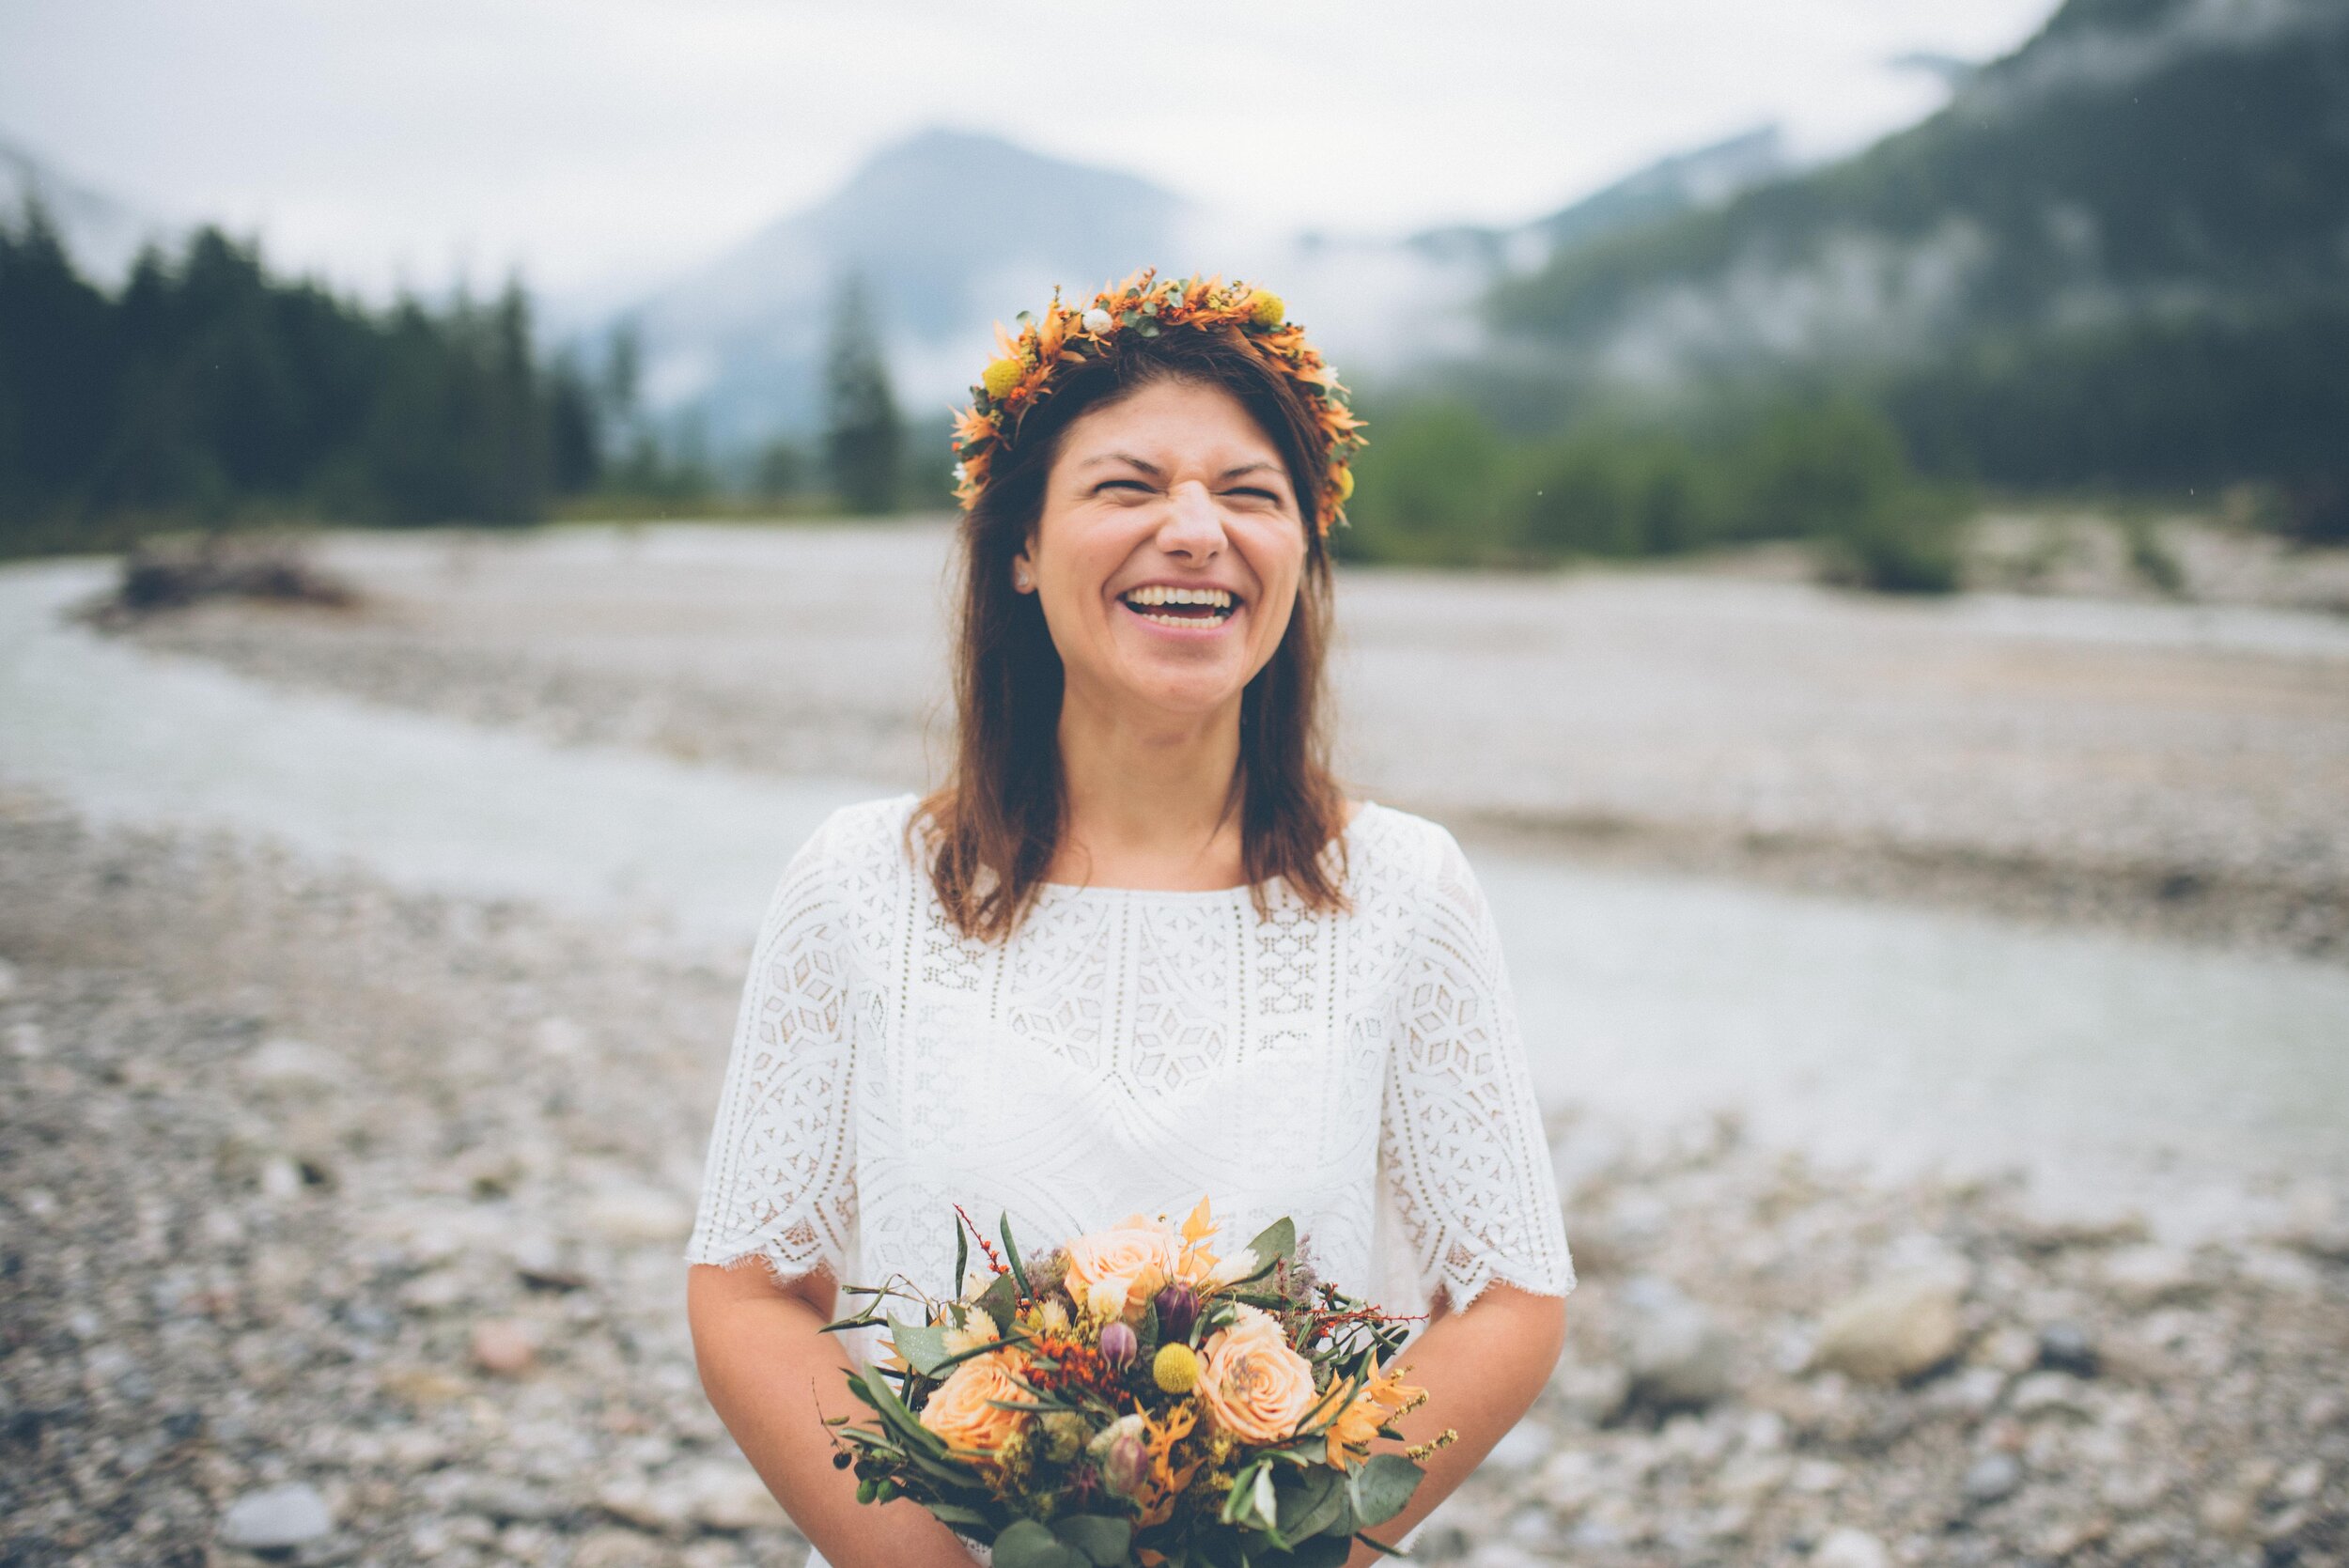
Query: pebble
[[2068, 1347], [1893, 1331], [2049, 1393], [1677, 1354], [2151, 1276], [2226, 1513], [1992, 1478], [276, 1518], [1846, 1547], [2302, 1481], [503, 1348]]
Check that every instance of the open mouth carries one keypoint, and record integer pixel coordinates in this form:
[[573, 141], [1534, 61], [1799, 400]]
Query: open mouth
[[1183, 607]]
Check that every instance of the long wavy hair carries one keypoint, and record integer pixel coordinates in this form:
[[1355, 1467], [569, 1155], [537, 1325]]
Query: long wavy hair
[[990, 831]]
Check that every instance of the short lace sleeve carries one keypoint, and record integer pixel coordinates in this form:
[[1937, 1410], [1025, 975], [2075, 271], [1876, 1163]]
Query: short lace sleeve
[[780, 1181], [1460, 1138]]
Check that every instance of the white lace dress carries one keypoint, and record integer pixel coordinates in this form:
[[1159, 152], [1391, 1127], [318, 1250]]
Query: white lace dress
[[1126, 1053]]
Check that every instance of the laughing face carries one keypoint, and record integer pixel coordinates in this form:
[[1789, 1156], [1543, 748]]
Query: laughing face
[[1168, 552]]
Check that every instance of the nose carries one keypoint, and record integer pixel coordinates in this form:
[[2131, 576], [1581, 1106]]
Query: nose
[[1195, 524]]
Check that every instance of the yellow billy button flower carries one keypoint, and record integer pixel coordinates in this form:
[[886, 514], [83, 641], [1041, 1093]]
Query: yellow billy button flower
[[1175, 1368], [1267, 310], [1344, 481], [1000, 376]]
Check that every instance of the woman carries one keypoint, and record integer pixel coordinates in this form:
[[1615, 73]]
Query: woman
[[1140, 947]]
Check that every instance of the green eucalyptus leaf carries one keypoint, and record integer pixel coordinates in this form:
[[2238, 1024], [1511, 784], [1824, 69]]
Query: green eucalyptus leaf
[[1322, 1551], [1025, 1543], [923, 1347], [1313, 1501], [1102, 1540], [1383, 1487]]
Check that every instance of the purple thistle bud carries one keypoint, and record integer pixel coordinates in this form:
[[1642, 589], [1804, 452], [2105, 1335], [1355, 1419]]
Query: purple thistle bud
[[1119, 1346], [1178, 1308]]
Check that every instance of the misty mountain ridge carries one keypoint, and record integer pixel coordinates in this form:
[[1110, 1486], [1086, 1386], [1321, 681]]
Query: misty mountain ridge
[[2137, 160], [948, 232]]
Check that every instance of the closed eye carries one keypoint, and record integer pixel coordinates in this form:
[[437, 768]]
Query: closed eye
[[1121, 485]]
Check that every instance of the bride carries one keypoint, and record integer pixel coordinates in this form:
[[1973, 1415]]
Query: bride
[[1140, 947]]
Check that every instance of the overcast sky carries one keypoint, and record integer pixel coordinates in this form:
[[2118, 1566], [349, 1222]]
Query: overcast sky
[[594, 144]]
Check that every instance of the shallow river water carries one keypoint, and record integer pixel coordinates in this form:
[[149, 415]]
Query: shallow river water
[[2119, 1072]]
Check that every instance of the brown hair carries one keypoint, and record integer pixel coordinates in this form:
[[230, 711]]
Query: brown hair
[[993, 828]]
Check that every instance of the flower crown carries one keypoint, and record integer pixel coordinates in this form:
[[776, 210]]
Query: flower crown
[[1021, 375]]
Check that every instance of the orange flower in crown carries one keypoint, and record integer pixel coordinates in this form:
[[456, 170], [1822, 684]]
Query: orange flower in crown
[[1020, 374]]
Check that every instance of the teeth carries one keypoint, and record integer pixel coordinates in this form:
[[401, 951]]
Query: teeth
[[1186, 621], [1159, 593]]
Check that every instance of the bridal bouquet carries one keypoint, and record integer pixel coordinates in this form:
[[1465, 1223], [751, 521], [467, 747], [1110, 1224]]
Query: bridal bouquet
[[1134, 1398]]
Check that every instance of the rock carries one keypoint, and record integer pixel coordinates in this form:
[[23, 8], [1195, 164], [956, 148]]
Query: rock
[[1892, 1332], [503, 1348], [2226, 1513], [1846, 1547], [2302, 1481], [1522, 1446], [728, 1496], [1595, 1394], [1677, 1355], [632, 1216], [609, 1547], [423, 1387], [2050, 1393], [276, 1518], [2067, 1347], [2061, 1540], [293, 1065], [1991, 1478], [1571, 1481], [635, 1500], [1817, 1477], [435, 1291], [2150, 1276], [1751, 1478], [2129, 1493]]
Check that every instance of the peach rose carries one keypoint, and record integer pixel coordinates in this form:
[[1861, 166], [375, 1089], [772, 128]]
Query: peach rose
[[958, 1409], [1253, 1384], [1117, 1271]]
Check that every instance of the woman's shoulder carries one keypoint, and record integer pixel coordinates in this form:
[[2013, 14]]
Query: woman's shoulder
[[1402, 845], [865, 834]]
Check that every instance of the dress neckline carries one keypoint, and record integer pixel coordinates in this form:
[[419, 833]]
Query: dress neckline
[[1187, 896]]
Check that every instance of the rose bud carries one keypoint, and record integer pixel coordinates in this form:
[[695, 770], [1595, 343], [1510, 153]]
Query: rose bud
[[1126, 1464], [1119, 1346], [1178, 1308]]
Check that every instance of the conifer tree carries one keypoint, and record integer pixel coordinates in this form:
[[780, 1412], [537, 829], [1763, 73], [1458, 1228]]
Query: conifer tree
[[862, 435]]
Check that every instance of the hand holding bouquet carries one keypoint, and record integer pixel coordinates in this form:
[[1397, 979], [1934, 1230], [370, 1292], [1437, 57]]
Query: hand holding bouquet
[[1134, 1398]]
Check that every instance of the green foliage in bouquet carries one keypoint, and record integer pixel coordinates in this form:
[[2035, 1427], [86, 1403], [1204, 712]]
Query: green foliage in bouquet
[[1134, 1398]]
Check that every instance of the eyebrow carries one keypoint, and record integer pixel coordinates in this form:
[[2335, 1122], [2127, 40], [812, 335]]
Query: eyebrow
[[1156, 472]]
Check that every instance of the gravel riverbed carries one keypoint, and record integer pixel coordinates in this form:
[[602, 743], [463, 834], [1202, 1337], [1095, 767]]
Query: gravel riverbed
[[341, 1225]]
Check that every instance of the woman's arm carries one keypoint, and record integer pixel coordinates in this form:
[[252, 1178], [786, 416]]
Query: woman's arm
[[1483, 1369], [773, 1378]]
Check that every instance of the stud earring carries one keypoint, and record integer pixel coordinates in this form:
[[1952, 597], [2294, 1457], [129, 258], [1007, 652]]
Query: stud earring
[[1019, 578]]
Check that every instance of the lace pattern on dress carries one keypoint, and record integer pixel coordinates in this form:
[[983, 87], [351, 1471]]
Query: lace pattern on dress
[[1125, 1052]]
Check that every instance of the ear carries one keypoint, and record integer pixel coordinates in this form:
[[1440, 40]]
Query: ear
[[1022, 574]]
